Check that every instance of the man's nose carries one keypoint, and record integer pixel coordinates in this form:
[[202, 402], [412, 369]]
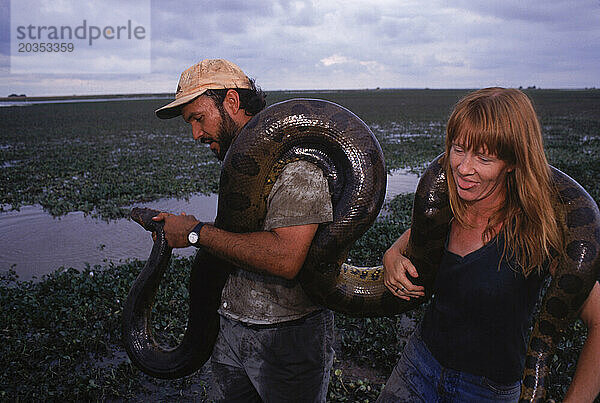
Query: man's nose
[[197, 132]]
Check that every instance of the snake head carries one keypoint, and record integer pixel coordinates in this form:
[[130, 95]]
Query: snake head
[[143, 216]]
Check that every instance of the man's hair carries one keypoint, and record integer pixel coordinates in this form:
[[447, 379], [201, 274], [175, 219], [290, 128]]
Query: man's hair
[[252, 100], [503, 122]]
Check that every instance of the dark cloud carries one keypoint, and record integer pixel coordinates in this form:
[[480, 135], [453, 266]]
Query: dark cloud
[[553, 14], [338, 44]]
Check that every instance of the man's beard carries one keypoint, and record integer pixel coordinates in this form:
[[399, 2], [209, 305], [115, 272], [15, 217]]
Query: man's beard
[[227, 131]]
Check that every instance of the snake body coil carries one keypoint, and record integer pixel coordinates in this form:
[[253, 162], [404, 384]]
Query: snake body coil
[[334, 139]]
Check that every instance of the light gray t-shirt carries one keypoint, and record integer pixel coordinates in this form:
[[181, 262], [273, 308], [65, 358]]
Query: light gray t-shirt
[[300, 196]]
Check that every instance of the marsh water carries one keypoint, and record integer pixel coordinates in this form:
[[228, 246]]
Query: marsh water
[[33, 243]]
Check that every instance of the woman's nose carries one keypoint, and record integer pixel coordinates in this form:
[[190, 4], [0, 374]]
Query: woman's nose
[[465, 165]]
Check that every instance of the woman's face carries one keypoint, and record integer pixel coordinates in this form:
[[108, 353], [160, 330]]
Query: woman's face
[[479, 176]]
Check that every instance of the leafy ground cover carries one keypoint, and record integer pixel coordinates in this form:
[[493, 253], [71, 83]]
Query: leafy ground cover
[[62, 341], [61, 335], [97, 157], [62, 338]]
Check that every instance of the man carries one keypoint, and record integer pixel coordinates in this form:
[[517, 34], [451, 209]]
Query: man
[[274, 344]]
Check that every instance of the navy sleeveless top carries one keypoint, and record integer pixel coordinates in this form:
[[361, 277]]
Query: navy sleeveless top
[[479, 317]]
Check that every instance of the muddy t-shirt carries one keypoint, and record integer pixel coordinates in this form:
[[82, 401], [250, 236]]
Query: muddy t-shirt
[[300, 196]]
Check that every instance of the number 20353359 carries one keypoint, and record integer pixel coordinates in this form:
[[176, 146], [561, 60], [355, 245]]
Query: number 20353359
[[49, 47]]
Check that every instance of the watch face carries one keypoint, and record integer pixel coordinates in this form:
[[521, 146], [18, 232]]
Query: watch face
[[193, 237]]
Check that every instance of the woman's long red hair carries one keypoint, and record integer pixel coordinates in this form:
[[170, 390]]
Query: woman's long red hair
[[504, 123]]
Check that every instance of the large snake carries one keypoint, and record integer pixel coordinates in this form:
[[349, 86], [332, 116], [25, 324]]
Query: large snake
[[345, 149]]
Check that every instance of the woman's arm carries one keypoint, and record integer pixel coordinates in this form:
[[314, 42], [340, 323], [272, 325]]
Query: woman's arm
[[396, 266], [586, 382]]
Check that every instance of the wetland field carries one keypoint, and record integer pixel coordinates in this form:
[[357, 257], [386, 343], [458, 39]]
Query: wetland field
[[61, 331]]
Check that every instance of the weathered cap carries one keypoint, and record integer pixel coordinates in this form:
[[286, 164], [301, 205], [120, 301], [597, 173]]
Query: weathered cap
[[209, 74]]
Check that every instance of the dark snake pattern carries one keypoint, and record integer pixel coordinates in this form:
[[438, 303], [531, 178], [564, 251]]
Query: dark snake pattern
[[345, 149]]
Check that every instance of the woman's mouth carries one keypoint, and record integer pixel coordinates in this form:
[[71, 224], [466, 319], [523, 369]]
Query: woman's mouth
[[464, 184]]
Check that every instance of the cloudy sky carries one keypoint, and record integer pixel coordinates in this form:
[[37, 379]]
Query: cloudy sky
[[318, 44]]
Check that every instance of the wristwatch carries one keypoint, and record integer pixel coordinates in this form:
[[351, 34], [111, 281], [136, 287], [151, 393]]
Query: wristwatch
[[194, 235]]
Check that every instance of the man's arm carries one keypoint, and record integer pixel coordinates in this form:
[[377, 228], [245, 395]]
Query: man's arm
[[298, 201], [586, 382], [280, 251]]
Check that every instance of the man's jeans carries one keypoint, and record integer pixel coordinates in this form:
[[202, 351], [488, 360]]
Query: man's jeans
[[287, 362]]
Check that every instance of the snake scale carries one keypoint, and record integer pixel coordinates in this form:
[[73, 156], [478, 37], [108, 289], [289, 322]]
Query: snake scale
[[337, 141]]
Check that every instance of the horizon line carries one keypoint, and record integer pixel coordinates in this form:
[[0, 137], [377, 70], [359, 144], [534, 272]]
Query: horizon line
[[24, 98]]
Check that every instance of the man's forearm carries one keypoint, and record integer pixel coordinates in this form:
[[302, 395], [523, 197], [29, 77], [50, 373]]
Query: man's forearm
[[280, 252]]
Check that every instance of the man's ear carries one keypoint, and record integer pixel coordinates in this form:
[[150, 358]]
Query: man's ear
[[231, 103]]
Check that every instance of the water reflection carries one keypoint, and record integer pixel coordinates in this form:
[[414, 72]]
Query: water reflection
[[33, 243], [400, 181]]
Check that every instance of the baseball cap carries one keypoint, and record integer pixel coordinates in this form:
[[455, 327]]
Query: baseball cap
[[209, 74]]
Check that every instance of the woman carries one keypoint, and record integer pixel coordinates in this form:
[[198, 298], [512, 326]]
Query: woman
[[472, 342]]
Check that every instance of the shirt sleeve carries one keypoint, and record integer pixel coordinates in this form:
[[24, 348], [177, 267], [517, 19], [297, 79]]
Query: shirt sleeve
[[299, 196]]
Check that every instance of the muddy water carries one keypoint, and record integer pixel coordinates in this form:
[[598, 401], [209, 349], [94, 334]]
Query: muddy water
[[34, 243]]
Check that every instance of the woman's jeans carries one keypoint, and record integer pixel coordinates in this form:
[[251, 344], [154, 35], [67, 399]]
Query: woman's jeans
[[419, 377]]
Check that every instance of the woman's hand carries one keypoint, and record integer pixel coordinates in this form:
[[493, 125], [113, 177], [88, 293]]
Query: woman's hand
[[396, 267]]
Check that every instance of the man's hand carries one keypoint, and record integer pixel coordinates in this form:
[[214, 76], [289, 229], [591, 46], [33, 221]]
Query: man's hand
[[177, 228]]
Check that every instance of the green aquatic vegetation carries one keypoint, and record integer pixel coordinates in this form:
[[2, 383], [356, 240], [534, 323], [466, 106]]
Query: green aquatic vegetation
[[573, 146], [62, 339], [101, 157], [98, 158], [386, 105], [61, 335], [376, 341], [392, 222], [410, 144]]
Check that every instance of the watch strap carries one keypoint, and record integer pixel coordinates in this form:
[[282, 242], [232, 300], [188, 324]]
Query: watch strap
[[197, 229]]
